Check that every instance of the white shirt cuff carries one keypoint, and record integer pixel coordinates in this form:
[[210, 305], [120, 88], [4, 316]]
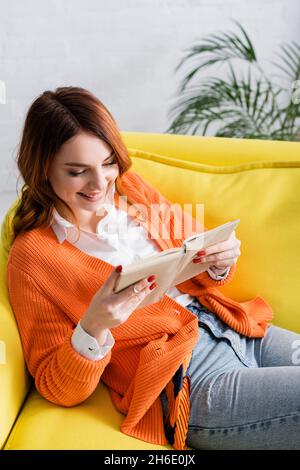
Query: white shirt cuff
[[218, 277], [88, 346]]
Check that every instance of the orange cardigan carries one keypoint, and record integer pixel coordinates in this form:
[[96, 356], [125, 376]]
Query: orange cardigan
[[50, 287]]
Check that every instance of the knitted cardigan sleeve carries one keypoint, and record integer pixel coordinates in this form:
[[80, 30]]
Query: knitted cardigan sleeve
[[61, 375]]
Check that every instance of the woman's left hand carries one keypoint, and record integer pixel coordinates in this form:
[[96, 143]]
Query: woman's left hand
[[221, 255]]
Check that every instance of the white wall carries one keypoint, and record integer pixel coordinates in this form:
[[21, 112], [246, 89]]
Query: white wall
[[124, 51]]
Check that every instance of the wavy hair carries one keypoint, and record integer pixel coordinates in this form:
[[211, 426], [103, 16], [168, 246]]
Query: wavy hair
[[52, 119]]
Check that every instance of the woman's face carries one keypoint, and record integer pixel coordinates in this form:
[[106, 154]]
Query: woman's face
[[84, 166]]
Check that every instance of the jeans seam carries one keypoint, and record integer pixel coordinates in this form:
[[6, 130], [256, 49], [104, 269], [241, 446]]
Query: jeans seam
[[239, 426]]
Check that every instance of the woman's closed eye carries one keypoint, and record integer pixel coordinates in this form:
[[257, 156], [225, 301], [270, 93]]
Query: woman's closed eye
[[77, 173], [74, 173]]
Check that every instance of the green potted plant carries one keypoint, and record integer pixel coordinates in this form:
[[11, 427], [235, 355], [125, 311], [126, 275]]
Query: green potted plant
[[244, 103]]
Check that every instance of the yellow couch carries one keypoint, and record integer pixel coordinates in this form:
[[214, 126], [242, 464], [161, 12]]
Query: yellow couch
[[255, 181]]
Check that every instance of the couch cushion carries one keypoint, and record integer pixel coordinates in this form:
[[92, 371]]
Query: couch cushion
[[94, 424]]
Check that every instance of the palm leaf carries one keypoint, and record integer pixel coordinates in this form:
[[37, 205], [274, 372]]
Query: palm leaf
[[290, 57], [245, 108], [217, 48]]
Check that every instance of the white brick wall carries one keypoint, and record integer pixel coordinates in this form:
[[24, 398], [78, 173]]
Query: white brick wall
[[124, 51]]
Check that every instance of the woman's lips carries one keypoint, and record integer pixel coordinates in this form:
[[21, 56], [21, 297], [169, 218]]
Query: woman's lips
[[94, 198]]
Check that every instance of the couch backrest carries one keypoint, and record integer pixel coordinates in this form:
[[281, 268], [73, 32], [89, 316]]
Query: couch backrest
[[255, 181]]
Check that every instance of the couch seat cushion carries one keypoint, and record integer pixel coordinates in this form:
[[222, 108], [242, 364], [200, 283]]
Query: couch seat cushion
[[92, 425]]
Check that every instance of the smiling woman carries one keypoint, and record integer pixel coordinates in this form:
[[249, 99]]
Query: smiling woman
[[71, 157], [87, 190], [194, 369]]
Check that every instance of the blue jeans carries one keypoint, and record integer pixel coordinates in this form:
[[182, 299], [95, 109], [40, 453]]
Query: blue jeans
[[245, 392]]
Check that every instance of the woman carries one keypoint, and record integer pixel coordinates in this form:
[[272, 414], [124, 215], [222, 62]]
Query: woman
[[195, 369]]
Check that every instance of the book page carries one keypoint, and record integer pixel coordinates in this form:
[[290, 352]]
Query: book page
[[152, 260], [174, 265], [195, 243], [163, 265]]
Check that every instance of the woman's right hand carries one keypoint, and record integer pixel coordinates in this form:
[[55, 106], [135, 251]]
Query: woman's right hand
[[109, 309]]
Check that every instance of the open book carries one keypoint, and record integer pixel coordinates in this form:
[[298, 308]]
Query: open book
[[174, 265]]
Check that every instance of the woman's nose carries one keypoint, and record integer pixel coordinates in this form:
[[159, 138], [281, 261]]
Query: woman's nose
[[98, 181]]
